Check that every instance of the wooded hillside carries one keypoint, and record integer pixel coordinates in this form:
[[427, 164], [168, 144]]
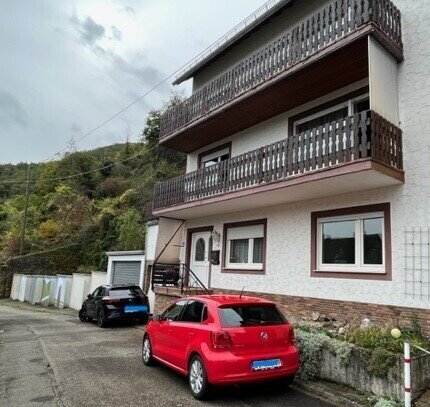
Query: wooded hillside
[[104, 208]]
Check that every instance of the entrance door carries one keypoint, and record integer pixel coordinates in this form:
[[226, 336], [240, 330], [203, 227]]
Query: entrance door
[[199, 261]]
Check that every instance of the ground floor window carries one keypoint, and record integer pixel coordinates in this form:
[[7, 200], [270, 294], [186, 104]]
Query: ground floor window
[[244, 246], [352, 240]]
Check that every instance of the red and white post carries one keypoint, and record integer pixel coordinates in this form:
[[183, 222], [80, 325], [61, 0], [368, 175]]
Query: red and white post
[[407, 354]]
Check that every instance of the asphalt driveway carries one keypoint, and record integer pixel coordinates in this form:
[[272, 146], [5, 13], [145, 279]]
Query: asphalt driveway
[[50, 358]]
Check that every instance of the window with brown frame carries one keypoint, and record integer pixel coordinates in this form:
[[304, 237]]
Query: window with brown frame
[[214, 155], [245, 247], [352, 242]]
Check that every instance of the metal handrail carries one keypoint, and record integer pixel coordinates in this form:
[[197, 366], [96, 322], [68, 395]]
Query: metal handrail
[[194, 277]]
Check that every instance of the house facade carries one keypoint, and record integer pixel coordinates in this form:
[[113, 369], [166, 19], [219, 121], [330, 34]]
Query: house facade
[[308, 177]]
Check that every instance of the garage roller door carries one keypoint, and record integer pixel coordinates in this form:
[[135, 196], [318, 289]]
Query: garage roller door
[[126, 272]]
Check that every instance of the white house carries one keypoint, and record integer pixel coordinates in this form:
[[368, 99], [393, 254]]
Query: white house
[[308, 171]]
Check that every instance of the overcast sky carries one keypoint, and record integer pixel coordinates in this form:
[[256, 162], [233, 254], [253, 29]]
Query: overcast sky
[[66, 66]]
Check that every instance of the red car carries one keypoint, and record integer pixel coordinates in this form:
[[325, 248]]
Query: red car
[[222, 339]]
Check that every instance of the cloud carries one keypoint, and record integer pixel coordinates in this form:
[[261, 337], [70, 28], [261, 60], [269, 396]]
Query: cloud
[[90, 32], [11, 112], [129, 10], [145, 73], [116, 34], [76, 128]]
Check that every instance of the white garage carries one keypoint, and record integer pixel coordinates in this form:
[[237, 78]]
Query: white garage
[[126, 268]]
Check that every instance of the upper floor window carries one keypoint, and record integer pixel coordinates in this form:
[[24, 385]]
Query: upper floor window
[[337, 112], [214, 156]]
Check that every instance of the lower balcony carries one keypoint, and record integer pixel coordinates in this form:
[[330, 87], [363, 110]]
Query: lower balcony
[[359, 152]]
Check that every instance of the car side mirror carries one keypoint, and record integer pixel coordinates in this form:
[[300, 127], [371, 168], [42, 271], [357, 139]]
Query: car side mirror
[[89, 296]]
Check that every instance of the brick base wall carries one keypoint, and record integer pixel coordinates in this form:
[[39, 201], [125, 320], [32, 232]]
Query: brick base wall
[[294, 307], [164, 296], [344, 311]]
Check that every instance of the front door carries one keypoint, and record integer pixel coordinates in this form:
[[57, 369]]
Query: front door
[[199, 258]]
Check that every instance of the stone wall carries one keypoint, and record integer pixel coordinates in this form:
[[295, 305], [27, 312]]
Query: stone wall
[[63, 260], [356, 375]]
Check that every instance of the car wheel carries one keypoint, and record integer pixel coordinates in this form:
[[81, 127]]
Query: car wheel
[[82, 314], [101, 321], [197, 378], [147, 357]]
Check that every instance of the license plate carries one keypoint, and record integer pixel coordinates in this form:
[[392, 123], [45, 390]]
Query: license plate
[[136, 308], [266, 364]]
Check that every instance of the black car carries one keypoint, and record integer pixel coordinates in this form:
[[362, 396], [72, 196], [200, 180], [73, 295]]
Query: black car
[[115, 303]]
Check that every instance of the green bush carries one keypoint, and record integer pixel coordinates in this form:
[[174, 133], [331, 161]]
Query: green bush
[[374, 337], [380, 362], [311, 346]]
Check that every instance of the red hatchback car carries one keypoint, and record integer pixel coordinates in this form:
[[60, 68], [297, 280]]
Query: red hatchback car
[[222, 339]]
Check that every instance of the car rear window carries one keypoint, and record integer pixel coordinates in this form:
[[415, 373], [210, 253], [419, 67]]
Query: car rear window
[[126, 292], [250, 315]]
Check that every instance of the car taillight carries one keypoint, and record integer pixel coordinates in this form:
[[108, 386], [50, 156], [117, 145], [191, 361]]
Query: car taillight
[[112, 300], [221, 340], [290, 338]]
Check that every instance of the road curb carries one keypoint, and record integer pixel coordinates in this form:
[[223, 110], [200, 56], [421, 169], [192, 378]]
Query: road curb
[[331, 393]]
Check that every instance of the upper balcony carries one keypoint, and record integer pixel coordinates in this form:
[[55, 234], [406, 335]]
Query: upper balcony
[[326, 51], [358, 152]]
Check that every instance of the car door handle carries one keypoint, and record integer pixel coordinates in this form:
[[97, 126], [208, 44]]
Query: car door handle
[[191, 334], [169, 331]]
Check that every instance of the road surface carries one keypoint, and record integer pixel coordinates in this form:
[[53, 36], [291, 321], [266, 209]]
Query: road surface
[[49, 358]]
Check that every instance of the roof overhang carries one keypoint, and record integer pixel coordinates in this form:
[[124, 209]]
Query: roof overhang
[[193, 67]]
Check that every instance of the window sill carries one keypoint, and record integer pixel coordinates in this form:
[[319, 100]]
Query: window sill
[[354, 275], [242, 271]]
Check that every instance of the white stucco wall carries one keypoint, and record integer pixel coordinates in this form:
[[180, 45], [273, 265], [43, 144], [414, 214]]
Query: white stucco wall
[[263, 36], [151, 240], [289, 228]]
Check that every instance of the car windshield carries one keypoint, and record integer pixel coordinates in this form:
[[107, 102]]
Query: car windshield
[[126, 292], [250, 315]]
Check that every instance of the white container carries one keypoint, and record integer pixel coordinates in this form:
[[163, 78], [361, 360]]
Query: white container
[[26, 288], [48, 291], [21, 291], [81, 286], [36, 290], [16, 283], [62, 291], [98, 278]]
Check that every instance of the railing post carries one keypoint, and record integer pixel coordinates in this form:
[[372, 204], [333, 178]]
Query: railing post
[[407, 358]]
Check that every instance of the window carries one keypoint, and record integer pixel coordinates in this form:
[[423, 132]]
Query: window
[[98, 292], [244, 245], [348, 242], [173, 313], [250, 315], [200, 250], [126, 292], [214, 156], [337, 112], [194, 312]]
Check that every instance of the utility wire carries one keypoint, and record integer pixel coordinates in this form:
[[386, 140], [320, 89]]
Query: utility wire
[[179, 70]]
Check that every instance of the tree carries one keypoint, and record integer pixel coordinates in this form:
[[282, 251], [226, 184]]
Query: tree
[[131, 232]]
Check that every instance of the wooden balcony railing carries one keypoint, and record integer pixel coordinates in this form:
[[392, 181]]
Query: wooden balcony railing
[[335, 21], [363, 135]]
